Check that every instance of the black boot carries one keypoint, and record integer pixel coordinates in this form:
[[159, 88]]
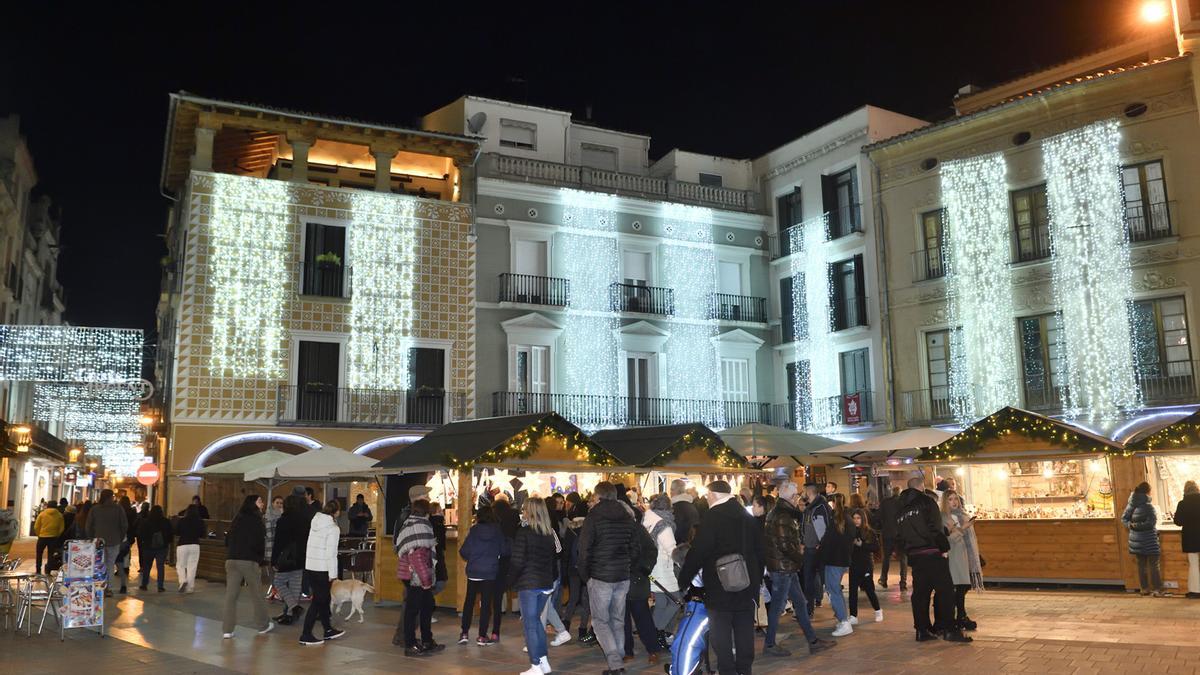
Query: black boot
[[925, 636], [955, 635], [966, 623]]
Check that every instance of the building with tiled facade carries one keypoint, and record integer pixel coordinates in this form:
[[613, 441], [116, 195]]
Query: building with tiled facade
[[319, 286]]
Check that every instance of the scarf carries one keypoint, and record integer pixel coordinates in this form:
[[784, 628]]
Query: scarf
[[972, 547], [666, 519], [416, 533]]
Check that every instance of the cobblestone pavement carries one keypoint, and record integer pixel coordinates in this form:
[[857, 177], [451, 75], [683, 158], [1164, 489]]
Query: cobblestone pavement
[[1042, 631]]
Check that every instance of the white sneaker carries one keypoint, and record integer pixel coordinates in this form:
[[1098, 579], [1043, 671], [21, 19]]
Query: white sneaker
[[227, 636], [878, 615], [544, 665], [268, 629], [843, 629], [533, 670], [561, 639], [853, 620]]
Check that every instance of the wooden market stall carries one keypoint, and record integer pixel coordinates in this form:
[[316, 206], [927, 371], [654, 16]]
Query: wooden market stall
[[542, 452], [660, 454], [1048, 496]]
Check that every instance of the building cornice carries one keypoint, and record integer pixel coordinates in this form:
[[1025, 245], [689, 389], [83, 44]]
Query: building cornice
[[820, 151]]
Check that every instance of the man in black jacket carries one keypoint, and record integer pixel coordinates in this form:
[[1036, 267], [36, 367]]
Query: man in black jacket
[[889, 509], [725, 529], [684, 510], [818, 518], [607, 549], [784, 562], [921, 531]]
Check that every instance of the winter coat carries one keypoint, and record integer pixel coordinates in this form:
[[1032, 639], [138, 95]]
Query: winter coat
[[724, 529], [663, 572], [1142, 521], [414, 544], [1187, 516], [49, 523], [889, 509], [862, 559], [439, 552], [607, 545], [686, 516], [482, 550], [360, 519], [246, 540], [818, 518], [148, 527], [321, 553], [107, 522], [782, 538], [534, 565], [960, 565], [291, 532], [919, 525], [836, 544], [641, 567], [190, 531]]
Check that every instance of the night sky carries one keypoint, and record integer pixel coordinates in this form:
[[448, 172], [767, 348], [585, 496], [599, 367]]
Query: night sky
[[91, 82]]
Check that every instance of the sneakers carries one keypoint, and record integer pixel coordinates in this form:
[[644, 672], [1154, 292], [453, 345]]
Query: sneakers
[[182, 587], [820, 645], [925, 636], [533, 670], [878, 615], [588, 638], [955, 636], [431, 646], [284, 619], [311, 641], [495, 637], [463, 639], [853, 620], [227, 636], [844, 628], [334, 634], [882, 582], [415, 651], [484, 641], [561, 639], [270, 627], [966, 623], [775, 650], [544, 665]]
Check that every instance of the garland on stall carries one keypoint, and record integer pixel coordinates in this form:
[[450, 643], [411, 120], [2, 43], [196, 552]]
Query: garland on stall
[[1012, 421], [711, 443], [523, 445], [1183, 434]]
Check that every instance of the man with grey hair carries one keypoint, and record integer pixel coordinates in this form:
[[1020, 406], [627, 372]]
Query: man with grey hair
[[922, 533], [686, 513], [784, 562]]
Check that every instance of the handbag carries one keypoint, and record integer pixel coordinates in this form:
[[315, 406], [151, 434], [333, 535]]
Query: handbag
[[732, 573]]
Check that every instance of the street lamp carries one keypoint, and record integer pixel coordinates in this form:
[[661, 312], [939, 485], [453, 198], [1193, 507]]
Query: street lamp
[[1155, 11], [147, 420], [21, 436], [74, 453]]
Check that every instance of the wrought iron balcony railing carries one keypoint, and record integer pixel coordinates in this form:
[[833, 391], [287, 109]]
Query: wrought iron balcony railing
[[535, 290], [728, 307], [599, 411], [324, 279], [326, 405], [645, 299]]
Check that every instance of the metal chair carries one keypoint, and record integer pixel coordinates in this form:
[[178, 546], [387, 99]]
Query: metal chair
[[362, 562], [49, 596]]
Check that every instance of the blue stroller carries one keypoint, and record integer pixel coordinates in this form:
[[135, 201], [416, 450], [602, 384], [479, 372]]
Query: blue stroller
[[690, 646]]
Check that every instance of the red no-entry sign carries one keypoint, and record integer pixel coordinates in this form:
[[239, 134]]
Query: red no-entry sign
[[147, 474]]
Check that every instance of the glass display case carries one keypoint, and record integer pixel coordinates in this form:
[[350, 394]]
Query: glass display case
[[1031, 489], [1166, 475]]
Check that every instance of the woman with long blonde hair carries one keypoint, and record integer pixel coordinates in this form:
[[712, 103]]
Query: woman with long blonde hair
[[532, 572], [965, 568]]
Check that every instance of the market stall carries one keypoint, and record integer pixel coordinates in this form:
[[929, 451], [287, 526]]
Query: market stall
[[661, 454], [1044, 492], [522, 455], [782, 450]]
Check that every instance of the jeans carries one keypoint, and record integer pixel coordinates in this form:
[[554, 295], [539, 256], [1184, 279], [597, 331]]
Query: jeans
[[1149, 575], [113, 567], [608, 617], [664, 609], [786, 586], [187, 559], [578, 601], [833, 586], [418, 608], [931, 573], [485, 589], [498, 594], [638, 612], [1193, 572], [861, 579], [237, 571], [549, 613], [318, 610], [157, 558], [890, 545], [532, 603], [811, 577], [728, 631], [44, 543]]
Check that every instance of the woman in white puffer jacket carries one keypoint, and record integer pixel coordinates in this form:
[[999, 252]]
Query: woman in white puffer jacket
[[320, 569], [660, 523]]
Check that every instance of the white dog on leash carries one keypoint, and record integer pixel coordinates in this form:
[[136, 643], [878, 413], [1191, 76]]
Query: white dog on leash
[[349, 590]]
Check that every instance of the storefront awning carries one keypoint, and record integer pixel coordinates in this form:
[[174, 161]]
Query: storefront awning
[[686, 448], [1013, 432], [1182, 434], [909, 443]]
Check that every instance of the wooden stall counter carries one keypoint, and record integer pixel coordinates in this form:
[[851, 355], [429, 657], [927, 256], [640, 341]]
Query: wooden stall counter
[[212, 552], [1069, 551], [1174, 561]]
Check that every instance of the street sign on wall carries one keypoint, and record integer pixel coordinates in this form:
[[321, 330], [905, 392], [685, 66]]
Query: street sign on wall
[[147, 474]]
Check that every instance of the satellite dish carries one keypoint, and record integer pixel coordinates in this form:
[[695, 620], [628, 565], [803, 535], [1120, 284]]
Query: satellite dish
[[475, 122]]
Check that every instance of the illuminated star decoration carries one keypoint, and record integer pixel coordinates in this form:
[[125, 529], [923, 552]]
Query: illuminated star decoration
[[1093, 284]]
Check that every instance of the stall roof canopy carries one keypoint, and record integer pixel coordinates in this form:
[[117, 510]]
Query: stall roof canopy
[[468, 441], [1178, 434], [763, 440], [658, 446], [318, 465], [240, 466], [906, 443], [1034, 435]]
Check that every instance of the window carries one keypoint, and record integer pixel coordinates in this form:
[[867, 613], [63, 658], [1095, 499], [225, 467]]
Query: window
[[856, 386], [530, 369], [601, 157], [929, 258], [529, 257], [1161, 349], [317, 377], [849, 303], [840, 192], [426, 396], [937, 371], [515, 134], [1042, 360], [711, 179], [324, 260], [1032, 222], [640, 377], [799, 379], [788, 214], [1146, 211], [735, 379]]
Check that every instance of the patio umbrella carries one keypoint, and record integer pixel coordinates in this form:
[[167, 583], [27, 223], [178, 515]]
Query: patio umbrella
[[242, 465], [321, 465], [763, 440], [906, 443]]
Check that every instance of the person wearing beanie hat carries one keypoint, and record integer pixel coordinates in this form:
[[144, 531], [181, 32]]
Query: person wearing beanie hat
[[726, 528]]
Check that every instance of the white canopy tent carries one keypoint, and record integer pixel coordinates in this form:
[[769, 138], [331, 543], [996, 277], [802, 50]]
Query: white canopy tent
[[763, 440], [321, 465], [901, 444], [243, 465]]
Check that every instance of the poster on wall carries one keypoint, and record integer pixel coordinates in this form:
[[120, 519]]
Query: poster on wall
[[852, 408], [84, 579]]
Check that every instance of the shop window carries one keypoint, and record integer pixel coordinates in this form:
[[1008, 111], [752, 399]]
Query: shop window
[[1167, 475], [1060, 488]]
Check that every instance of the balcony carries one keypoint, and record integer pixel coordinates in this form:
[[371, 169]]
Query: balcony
[[644, 299], [726, 307], [329, 406], [1148, 221], [844, 410], [587, 410], [1031, 245], [324, 280], [781, 244], [535, 290], [1178, 384], [844, 221], [928, 264], [925, 407], [494, 165], [849, 312]]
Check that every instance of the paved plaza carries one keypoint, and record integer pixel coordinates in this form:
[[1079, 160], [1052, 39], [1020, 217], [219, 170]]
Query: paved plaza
[[1036, 631]]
